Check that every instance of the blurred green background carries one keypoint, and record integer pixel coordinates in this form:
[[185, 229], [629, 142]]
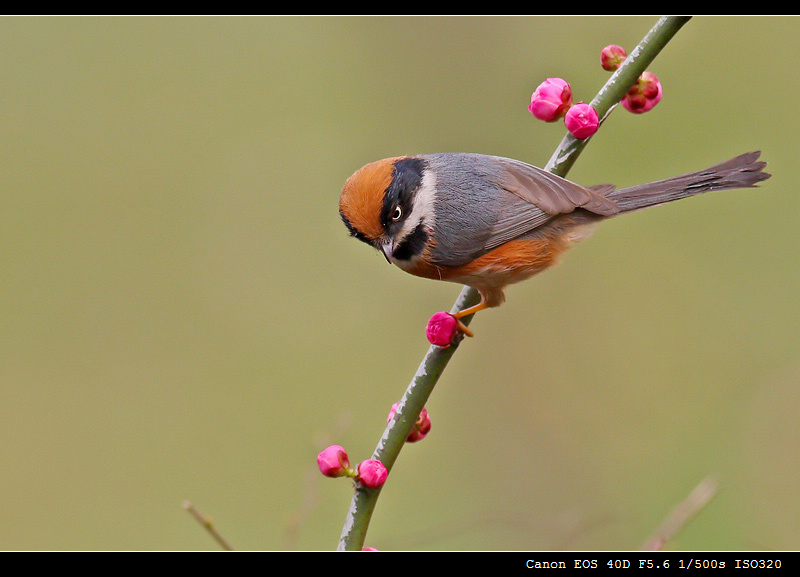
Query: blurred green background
[[185, 318]]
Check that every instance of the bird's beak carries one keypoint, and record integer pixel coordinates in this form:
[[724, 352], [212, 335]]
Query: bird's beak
[[387, 247]]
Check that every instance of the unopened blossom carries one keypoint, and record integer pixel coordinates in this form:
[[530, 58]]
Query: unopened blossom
[[581, 121], [422, 425], [551, 100], [644, 95], [612, 56], [334, 462], [372, 473], [442, 328]]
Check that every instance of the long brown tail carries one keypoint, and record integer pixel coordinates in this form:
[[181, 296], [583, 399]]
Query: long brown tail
[[741, 172]]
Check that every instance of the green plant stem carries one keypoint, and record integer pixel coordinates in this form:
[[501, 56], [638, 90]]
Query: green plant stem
[[433, 364]]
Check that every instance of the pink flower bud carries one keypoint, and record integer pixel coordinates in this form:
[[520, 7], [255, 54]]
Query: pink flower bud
[[369, 549], [334, 462], [422, 426], [635, 102], [581, 121], [612, 56], [650, 85], [442, 328], [644, 95], [372, 473], [551, 100]]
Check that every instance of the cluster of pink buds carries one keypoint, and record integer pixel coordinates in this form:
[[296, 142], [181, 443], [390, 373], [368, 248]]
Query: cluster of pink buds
[[371, 473], [643, 95], [334, 462], [552, 99], [646, 91]]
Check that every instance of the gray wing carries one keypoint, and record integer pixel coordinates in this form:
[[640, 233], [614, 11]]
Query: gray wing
[[553, 194], [486, 201]]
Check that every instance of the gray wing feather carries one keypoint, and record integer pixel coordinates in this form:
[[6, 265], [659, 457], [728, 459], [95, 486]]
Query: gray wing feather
[[553, 194], [515, 218], [486, 201]]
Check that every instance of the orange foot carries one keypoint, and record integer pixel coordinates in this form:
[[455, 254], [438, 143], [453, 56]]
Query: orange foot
[[465, 313]]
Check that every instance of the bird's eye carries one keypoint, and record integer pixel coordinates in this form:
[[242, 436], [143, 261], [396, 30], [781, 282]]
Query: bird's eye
[[398, 212]]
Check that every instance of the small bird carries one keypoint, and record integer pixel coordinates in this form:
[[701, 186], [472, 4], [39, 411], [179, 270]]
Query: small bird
[[488, 222]]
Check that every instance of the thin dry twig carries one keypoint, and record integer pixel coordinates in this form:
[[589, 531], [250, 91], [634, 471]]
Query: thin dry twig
[[207, 523], [683, 513]]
